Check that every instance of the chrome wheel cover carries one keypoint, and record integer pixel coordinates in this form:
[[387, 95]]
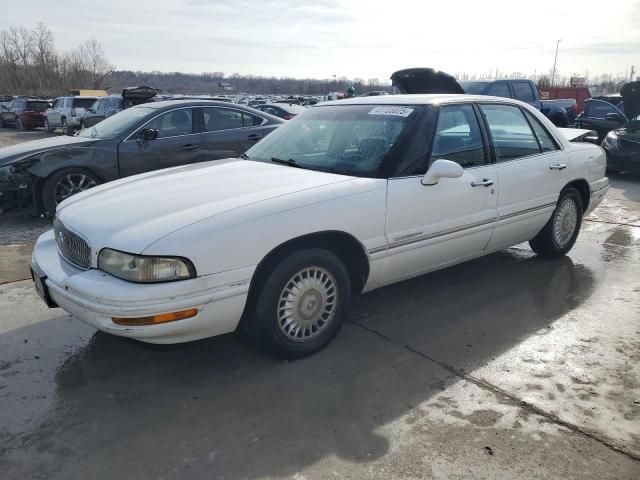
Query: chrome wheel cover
[[307, 304], [72, 184], [565, 222]]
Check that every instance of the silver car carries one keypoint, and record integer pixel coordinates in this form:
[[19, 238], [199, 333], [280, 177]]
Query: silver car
[[65, 113]]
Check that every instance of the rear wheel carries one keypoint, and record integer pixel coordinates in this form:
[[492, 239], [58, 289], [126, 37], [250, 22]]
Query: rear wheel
[[561, 231], [65, 183], [303, 304], [47, 126], [65, 128]]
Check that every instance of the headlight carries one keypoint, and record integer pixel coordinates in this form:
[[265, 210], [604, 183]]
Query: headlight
[[144, 269], [611, 140]]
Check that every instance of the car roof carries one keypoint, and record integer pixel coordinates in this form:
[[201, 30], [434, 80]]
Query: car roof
[[417, 99]]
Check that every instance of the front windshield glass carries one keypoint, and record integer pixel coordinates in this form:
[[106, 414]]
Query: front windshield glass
[[345, 139], [117, 124]]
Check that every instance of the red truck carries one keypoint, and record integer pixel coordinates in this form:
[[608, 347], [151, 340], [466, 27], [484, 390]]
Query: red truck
[[579, 94]]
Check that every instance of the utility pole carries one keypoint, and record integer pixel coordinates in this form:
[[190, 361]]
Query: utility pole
[[553, 74]]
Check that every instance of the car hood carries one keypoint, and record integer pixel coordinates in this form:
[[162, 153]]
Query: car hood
[[425, 80], [14, 153], [132, 213], [631, 98]]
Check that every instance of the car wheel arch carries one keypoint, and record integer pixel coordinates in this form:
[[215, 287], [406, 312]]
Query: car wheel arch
[[582, 186], [344, 245]]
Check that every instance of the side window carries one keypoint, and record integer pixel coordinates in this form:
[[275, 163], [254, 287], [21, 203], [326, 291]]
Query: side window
[[217, 118], [523, 91], [510, 131], [56, 104], [114, 103], [599, 108], [249, 120], [458, 137], [546, 142], [172, 124], [499, 89]]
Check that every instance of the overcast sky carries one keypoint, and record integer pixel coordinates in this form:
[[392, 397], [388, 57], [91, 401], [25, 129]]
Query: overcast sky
[[352, 38]]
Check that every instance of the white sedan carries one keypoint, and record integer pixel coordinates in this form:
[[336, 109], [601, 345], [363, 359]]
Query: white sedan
[[347, 197]]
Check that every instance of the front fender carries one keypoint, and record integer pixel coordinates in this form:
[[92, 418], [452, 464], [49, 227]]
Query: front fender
[[102, 160]]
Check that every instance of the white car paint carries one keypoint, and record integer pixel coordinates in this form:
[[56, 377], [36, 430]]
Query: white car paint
[[226, 217]]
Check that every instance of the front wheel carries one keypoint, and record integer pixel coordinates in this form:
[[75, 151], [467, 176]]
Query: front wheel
[[47, 126], [65, 183], [303, 303], [65, 128], [561, 231]]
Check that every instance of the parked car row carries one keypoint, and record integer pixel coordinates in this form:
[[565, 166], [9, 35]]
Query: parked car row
[[347, 197], [144, 137]]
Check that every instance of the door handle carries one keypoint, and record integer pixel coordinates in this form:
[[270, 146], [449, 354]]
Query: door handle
[[190, 147], [254, 137], [486, 182], [557, 166]]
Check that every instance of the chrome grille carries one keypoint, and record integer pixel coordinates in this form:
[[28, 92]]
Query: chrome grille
[[72, 246]]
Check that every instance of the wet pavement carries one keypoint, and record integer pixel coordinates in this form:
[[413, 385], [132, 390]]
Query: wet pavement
[[507, 367]]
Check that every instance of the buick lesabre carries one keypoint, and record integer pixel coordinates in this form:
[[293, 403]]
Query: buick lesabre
[[347, 197]]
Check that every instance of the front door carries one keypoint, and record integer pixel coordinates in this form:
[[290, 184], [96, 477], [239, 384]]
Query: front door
[[530, 170], [431, 226], [176, 144]]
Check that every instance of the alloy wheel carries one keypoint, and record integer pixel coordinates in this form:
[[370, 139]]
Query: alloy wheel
[[71, 184]]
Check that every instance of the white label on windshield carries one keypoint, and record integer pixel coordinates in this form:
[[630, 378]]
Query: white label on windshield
[[396, 111]]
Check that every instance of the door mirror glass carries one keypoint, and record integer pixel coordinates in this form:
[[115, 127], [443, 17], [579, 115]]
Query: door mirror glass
[[442, 169], [147, 134], [614, 117]]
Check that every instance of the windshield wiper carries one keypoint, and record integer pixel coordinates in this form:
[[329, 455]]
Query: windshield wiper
[[292, 163], [244, 156]]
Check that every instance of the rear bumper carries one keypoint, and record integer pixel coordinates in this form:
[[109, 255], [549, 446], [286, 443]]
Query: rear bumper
[[598, 191], [95, 297]]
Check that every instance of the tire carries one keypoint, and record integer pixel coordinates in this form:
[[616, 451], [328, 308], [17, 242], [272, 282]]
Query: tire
[[561, 231], [323, 298], [47, 127], [56, 187], [65, 127], [560, 121]]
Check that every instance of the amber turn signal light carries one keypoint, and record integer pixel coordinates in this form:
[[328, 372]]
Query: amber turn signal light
[[155, 319]]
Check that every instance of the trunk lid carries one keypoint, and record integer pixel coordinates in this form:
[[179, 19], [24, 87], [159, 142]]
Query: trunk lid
[[425, 80], [136, 95], [631, 98]]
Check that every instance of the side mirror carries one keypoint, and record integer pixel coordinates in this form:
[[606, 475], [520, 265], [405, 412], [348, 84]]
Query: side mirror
[[615, 117], [442, 169], [147, 134]]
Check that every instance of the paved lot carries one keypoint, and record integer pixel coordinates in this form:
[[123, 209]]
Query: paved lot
[[505, 367]]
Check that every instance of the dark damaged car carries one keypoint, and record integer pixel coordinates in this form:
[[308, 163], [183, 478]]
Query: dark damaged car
[[623, 144], [139, 139]]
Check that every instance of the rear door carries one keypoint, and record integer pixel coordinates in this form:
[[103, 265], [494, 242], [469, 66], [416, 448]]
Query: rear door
[[53, 116], [228, 132], [530, 169], [177, 144], [430, 226]]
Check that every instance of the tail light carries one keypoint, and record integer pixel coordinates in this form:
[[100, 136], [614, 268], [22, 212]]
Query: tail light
[[288, 116], [73, 112]]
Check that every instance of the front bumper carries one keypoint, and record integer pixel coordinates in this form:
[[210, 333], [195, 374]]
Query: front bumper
[[623, 161], [94, 297]]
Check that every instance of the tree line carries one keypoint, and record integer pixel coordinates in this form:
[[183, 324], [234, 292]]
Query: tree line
[[30, 64]]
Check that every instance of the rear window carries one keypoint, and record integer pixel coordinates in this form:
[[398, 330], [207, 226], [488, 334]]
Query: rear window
[[474, 88], [37, 106], [83, 102]]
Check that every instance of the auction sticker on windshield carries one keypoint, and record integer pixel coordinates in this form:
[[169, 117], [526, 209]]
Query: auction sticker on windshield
[[397, 111]]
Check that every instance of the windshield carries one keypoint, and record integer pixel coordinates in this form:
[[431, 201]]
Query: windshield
[[118, 123], [345, 139], [473, 88]]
